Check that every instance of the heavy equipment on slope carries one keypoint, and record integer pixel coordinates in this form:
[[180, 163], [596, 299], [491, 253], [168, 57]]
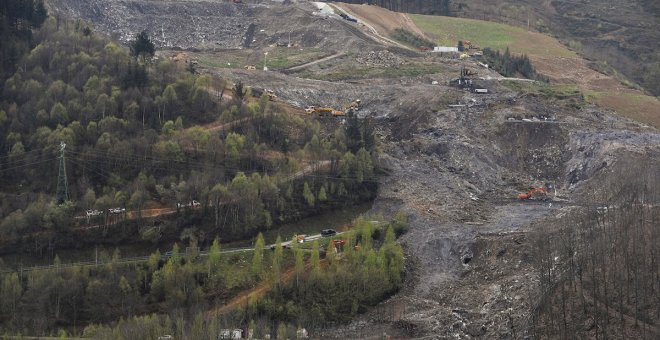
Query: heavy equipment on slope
[[328, 111], [534, 193]]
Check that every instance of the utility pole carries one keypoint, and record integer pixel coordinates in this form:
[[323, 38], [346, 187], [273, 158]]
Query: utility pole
[[265, 55], [62, 184]]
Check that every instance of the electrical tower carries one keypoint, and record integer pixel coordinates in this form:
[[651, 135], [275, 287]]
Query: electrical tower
[[62, 184]]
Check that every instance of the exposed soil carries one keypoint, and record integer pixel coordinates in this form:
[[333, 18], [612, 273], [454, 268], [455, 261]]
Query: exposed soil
[[456, 170], [383, 20], [619, 34]]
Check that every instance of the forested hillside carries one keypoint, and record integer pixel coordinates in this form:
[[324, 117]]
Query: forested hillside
[[139, 133], [145, 132]]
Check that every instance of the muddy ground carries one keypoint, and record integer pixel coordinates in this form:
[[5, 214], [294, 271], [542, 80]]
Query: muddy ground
[[456, 170]]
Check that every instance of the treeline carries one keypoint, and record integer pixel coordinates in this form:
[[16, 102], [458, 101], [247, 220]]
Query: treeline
[[181, 283], [411, 38], [510, 65], [600, 271], [134, 138], [357, 274], [183, 290]]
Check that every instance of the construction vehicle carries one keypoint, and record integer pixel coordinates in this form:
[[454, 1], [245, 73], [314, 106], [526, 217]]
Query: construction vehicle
[[352, 108], [328, 111], [250, 67], [321, 111], [310, 110], [469, 45], [464, 81], [338, 245], [534, 193], [300, 238], [355, 105], [271, 95]]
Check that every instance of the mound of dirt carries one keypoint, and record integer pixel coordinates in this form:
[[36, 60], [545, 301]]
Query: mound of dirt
[[382, 58]]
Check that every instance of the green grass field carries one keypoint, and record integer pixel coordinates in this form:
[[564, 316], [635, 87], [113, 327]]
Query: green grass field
[[447, 31], [639, 107]]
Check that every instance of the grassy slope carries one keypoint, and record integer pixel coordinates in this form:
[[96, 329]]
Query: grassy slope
[[448, 30]]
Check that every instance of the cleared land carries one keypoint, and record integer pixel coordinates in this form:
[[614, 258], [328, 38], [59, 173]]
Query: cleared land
[[548, 55]]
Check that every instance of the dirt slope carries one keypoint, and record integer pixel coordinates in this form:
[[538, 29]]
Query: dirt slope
[[383, 20]]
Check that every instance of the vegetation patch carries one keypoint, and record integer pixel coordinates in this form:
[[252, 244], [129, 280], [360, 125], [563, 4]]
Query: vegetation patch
[[511, 66], [447, 31], [636, 106], [362, 269], [411, 39]]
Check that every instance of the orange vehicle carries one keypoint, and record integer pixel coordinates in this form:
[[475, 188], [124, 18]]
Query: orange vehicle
[[338, 245], [534, 192]]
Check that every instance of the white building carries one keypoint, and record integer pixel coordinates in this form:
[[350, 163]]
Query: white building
[[445, 49]]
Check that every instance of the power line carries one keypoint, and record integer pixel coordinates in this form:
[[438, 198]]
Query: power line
[[27, 165], [62, 182]]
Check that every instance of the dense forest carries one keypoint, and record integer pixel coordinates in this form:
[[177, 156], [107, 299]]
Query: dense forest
[[185, 294], [147, 132]]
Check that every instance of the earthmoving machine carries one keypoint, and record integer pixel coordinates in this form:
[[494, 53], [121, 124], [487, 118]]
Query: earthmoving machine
[[353, 106], [258, 92], [469, 45], [338, 245], [540, 192], [310, 110], [321, 111], [271, 95], [250, 67], [328, 111]]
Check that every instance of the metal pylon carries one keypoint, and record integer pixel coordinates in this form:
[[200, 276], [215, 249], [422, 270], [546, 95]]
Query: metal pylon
[[62, 184]]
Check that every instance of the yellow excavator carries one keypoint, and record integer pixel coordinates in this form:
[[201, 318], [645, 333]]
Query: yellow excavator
[[328, 111]]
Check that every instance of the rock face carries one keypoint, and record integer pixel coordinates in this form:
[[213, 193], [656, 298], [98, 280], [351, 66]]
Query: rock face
[[212, 24], [433, 7], [181, 24]]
